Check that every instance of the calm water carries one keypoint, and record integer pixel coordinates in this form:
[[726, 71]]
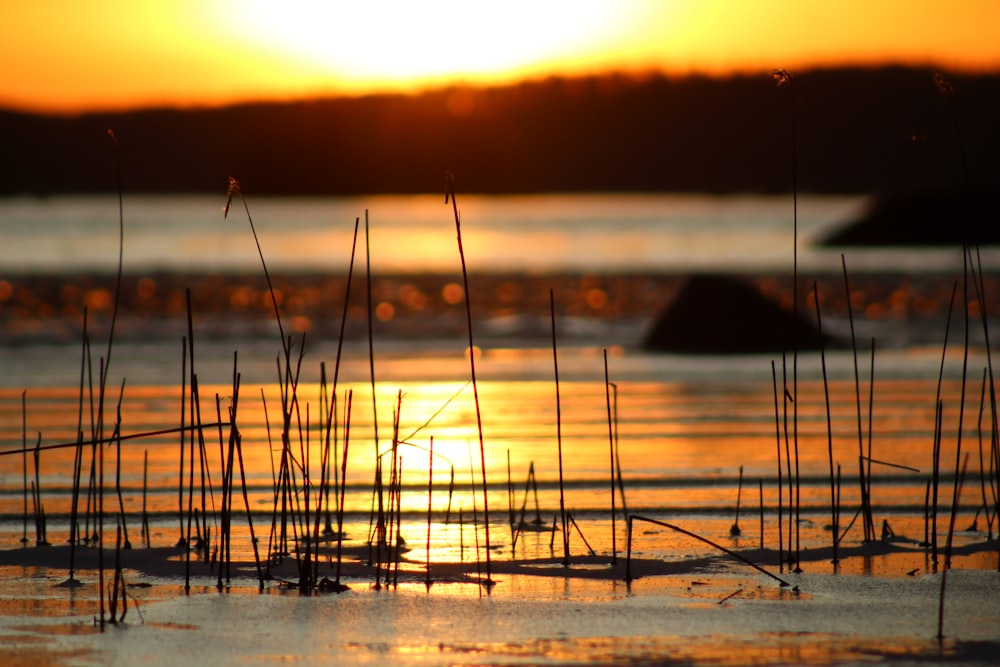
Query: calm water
[[597, 233], [684, 425]]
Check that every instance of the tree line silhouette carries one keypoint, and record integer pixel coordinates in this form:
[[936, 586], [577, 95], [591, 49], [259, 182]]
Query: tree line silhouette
[[856, 130]]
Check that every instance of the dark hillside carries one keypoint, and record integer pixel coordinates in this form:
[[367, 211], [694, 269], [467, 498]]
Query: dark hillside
[[858, 131]]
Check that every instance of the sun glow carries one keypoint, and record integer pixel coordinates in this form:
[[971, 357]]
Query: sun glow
[[415, 43], [102, 54]]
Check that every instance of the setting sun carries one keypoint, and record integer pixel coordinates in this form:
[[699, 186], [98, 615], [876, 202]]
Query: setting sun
[[411, 44]]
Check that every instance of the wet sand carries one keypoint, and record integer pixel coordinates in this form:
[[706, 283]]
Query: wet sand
[[699, 610]]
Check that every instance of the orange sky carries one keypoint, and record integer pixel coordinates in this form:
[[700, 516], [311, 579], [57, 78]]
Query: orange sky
[[71, 55]]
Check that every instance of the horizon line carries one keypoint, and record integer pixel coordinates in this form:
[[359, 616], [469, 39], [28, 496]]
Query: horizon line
[[634, 75]]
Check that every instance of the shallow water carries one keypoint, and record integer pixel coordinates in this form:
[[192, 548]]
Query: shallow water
[[682, 437], [573, 233], [684, 428]]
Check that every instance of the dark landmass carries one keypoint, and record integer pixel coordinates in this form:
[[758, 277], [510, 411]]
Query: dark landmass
[[857, 130], [931, 218]]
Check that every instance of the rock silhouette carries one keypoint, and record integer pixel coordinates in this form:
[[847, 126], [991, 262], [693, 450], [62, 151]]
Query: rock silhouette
[[716, 314]]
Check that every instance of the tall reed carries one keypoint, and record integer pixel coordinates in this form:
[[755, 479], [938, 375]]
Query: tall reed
[[965, 375], [783, 79], [789, 398], [182, 541], [936, 451], [41, 537], [611, 450], [562, 490], [74, 526], [450, 196], [118, 469], [834, 519], [24, 465], [867, 521], [980, 287], [343, 487], [777, 433], [871, 412], [377, 536], [340, 348], [105, 366], [430, 492]]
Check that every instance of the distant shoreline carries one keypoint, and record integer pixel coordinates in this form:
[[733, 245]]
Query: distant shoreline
[[858, 130]]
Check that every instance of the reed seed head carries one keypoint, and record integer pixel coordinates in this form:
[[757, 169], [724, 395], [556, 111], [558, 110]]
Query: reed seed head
[[943, 84], [781, 77], [232, 189], [449, 186]]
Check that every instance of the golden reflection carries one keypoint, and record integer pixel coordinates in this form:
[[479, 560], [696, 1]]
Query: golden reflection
[[668, 431], [384, 311], [723, 650], [146, 288], [508, 292], [68, 293], [596, 298], [241, 297], [453, 294], [413, 297]]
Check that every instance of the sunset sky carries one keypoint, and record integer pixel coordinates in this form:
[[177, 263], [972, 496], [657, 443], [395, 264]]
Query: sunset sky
[[67, 55]]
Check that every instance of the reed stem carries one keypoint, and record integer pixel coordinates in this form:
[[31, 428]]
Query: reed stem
[[636, 517], [867, 521], [611, 454], [562, 491], [450, 195], [343, 488], [835, 529], [430, 492], [777, 433], [24, 464]]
